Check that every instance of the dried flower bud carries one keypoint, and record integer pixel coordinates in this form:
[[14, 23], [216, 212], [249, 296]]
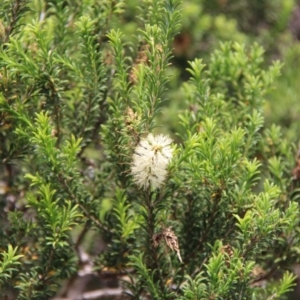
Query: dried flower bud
[[170, 239]]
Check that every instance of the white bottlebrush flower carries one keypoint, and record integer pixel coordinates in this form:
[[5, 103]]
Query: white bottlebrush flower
[[150, 160]]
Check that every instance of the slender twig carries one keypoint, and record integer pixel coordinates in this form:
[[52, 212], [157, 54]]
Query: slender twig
[[57, 113], [16, 8], [81, 237], [88, 214]]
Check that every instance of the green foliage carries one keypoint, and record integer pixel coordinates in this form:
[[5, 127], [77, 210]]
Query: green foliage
[[82, 104], [8, 263]]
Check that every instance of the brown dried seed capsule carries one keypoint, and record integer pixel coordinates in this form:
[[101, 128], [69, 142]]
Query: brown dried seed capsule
[[170, 239]]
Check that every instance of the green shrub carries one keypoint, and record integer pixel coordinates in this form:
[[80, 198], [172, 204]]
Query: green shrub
[[212, 216]]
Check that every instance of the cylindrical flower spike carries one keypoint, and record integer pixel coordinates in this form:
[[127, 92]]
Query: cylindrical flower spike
[[150, 160]]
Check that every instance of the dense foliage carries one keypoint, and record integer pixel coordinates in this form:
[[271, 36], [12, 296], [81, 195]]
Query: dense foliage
[[205, 207]]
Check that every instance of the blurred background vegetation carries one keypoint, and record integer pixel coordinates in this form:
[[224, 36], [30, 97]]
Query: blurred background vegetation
[[274, 24]]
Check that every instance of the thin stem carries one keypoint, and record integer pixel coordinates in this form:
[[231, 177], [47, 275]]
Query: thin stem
[[15, 11], [152, 261], [87, 214]]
